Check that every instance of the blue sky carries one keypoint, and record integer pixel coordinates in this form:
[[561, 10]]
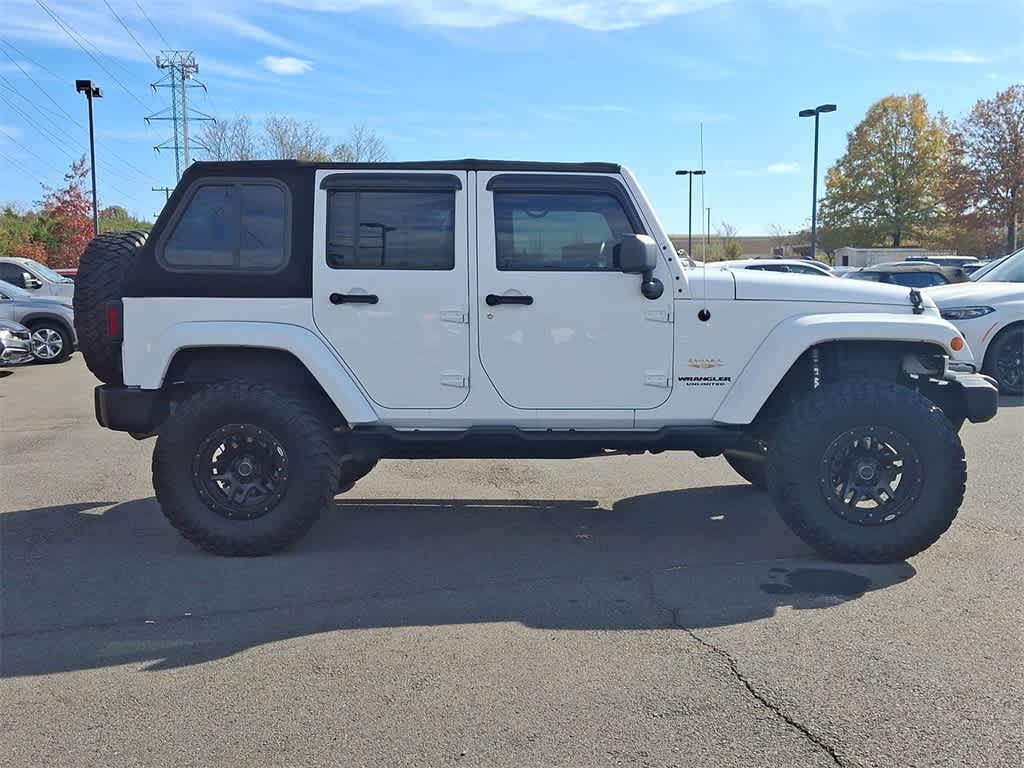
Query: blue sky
[[620, 80]]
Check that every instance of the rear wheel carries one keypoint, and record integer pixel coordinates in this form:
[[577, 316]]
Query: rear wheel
[[244, 468], [1004, 360], [867, 471], [104, 265], [51, 342]]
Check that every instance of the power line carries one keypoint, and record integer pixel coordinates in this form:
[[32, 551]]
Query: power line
[[62, 137], [43, 67], [146, 15], [57, 142], [69, 31], [28, 149], [63, 111], [130, 33], [17, 164]]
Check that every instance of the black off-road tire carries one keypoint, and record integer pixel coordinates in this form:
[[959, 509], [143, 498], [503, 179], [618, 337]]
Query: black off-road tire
[[754, 471], [798, 482], [107, 260], [1009, 340], [297, 422]]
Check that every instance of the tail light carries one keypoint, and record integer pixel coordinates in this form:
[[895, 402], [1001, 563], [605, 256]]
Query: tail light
[[115, 327]]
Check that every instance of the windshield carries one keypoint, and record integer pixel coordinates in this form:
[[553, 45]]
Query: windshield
[[47, 273], [1009, 270], [13, 291]]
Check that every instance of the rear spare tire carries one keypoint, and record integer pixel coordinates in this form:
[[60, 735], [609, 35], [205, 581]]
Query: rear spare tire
[[102, 270]]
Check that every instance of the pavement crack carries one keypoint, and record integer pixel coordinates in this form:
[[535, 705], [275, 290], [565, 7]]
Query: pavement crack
[[748, 686]]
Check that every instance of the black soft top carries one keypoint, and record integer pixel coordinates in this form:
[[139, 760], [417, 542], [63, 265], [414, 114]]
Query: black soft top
[[245, 167]]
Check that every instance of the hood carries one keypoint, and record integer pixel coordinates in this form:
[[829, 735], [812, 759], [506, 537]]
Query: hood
[[44, 302], [782, 286], [963, 294]]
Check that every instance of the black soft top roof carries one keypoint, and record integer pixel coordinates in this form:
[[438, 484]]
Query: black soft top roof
[[467, 164]]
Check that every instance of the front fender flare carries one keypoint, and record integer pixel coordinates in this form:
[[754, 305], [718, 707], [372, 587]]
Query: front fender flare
[[788, 340], [150, 360]]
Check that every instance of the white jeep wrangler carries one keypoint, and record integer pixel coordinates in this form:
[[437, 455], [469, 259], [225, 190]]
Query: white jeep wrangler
[[287, 324]]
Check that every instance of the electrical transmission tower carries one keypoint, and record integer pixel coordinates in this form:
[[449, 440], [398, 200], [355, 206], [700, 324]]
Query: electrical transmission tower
[[180, 70]]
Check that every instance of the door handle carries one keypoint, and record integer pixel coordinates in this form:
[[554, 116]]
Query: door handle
[[354, 298], [494, 300]]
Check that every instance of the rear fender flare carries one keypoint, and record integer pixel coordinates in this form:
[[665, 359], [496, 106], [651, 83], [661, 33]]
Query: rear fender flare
[[146, 364]]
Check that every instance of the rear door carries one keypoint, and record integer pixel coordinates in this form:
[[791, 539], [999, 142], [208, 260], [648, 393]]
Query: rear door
[[561, 327], [391, 282]]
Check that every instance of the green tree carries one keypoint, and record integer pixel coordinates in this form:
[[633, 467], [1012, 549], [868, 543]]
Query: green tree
[[888, 187]]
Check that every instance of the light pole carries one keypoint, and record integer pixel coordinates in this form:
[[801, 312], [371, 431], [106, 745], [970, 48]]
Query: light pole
[[815, 113], [91, 92], [689, 206]]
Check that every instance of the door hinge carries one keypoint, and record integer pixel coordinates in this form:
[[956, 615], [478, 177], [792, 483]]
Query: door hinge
[[454, 316], [657, 379], [659, 315], [453, 379]]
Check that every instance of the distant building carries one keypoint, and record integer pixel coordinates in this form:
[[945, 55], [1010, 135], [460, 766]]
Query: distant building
[[751, 246]]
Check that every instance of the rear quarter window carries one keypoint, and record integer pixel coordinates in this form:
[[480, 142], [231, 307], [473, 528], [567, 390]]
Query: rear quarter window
[[230, 225]]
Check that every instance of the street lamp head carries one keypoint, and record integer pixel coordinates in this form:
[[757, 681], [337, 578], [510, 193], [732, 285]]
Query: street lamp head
[[826, 108], [698, 173], [86, 87], [807, 113], [682, 173]]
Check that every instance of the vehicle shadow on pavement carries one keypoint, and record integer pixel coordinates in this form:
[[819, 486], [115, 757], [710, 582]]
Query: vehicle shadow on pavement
[[95, 585]]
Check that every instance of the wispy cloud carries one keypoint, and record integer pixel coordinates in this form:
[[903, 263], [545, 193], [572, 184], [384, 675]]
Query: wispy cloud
[[286, 65], [598, 15], [773, 169], [952, 56]]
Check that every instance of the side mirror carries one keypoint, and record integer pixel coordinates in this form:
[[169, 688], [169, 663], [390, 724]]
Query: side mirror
[[638, 255], [31, 281]]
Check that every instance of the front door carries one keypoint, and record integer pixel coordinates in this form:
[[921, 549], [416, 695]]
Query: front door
[[391, 282], [560, 326]]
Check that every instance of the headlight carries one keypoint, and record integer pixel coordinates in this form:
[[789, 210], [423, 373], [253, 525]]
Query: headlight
[[966, 313], [6, 336]]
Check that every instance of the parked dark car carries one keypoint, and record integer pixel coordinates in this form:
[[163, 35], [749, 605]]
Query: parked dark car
[[909, 275], [15, 344]]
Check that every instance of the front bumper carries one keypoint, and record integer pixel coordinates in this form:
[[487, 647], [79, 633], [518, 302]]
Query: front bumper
[[129, 409], [16, 354], [979, 393]]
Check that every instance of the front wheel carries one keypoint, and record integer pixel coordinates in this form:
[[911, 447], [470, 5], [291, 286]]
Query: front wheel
[[867, 471], [1004, 361], [51, 343], [244, 468]]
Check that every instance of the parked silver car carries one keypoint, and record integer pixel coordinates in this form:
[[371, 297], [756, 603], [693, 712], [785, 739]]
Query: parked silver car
[[50, 319], [15, 344]]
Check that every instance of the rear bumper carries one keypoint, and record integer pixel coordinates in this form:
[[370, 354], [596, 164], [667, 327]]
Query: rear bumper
[[129, 409], [980, 394]]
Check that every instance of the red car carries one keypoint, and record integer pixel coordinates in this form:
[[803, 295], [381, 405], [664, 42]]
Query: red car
[[72, 272]]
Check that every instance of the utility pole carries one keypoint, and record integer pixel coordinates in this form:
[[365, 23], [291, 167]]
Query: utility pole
[[180, 69], [91, 92], [689, 237]]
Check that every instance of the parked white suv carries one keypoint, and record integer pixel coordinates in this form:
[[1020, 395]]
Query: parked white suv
[[989, 312], [34, 277], [287, 324]]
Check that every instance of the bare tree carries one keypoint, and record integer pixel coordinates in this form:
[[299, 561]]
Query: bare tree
[[731, 249], [287, 138], [230, 138], [362, 145]]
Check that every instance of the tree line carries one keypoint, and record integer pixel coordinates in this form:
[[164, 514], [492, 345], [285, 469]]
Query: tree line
[[57, 227], [912, 178]]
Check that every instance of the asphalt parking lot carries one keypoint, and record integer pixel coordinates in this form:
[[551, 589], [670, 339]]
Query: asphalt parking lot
[[647, 611]]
